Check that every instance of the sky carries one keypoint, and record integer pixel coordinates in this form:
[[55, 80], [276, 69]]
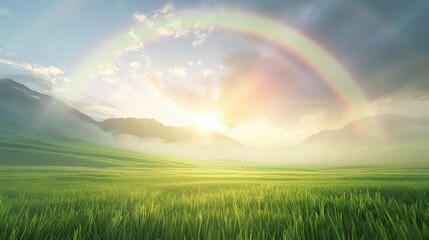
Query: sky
[[262, 72]]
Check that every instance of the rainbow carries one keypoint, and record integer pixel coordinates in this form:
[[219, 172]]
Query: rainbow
[[305, 49]]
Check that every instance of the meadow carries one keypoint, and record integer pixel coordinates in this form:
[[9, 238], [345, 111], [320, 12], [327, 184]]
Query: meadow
[[77, 190]]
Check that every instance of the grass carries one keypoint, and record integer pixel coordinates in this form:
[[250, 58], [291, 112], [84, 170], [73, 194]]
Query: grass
[[74, 190]]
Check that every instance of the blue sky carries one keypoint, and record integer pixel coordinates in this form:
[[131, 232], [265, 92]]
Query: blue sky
[[383, 44]]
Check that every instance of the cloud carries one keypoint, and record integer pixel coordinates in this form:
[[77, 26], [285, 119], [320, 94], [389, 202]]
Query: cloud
[[165, 11], [200, 31], [407, 79], [179, 71], [167, 8], [49, 72], [157, 74], [207, 73], [140, 17], [106, 69], [135, 42], [147, 59], [200, 38], [110, 80], [159, 14], [258, 87], [56, 89], [135, 47], [98, 109], [184, 97], [36, 83], [5, 12], [182, 33], [134, 65]]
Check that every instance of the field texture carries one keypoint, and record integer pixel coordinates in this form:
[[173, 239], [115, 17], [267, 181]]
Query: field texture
[[83, 191]]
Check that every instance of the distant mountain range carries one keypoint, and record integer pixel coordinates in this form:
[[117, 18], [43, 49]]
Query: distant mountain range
[[151, 128], [24, 109], [394, 128]]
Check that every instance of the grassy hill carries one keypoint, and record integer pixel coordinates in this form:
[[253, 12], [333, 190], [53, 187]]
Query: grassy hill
[[72, 189]]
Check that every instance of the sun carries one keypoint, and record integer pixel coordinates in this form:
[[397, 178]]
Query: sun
[[209, 121]]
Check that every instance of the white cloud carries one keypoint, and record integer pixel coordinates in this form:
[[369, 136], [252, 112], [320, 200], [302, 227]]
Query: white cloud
[[207, 73], [200, 38], [135, 65], [179, 71], [147, 59], [133, 34], [201, 30], [55, 89], [166, 32], [134, 48], [101, 110], [140, 17], [136, 45], [106, 69], [167, 8], [164, 12], [156, 75], [110, 80], [182, 33], [190, 63], [49, 72]]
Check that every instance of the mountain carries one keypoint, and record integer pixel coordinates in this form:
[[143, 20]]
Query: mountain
[[152, 129], [25, 110], [21, 104], [395, 129]]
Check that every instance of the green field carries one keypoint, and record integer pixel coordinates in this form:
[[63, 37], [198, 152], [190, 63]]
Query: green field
[[53, 189]]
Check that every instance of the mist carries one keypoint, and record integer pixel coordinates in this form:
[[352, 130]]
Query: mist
[[304, 154]]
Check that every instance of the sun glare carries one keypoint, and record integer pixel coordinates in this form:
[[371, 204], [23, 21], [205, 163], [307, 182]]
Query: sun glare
[[209, 121]]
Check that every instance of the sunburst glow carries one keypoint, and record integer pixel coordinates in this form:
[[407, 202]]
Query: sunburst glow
[[209, 121]]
